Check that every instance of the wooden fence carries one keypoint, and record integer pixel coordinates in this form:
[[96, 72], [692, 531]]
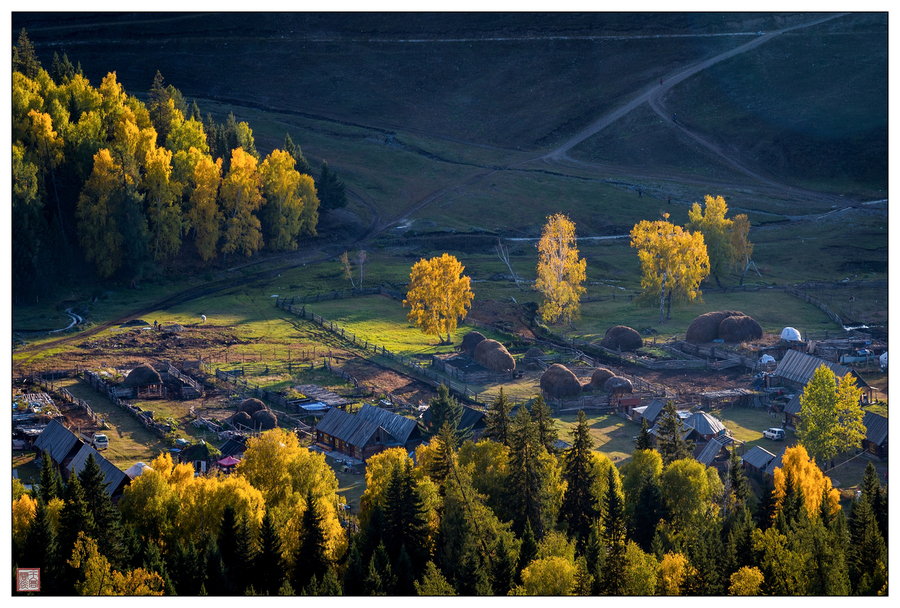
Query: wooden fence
[[141, 415], [194, 388]]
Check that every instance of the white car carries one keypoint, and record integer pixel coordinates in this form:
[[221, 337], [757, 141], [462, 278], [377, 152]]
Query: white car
[[774, 433]]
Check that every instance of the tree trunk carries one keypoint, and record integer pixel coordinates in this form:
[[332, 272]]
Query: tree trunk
[[662, 297], [718, 282], [669, 311]]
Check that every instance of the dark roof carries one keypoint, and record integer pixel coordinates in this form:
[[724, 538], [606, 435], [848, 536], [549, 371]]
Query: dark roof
[[775, 463], [704, 424], [57, 440], [113, 476], [800, 367], [653, 410], [758, 457], [398, 427], [876, 427], [470, 417], [712, 449], [793, 406], [346, 427], [232, 447]]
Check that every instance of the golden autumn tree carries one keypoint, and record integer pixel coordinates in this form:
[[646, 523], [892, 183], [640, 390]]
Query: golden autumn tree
[[98, 231], [241, 197], [673, 263], [560, 273], [205, 215], [439, 295], [726, 239], [802, 473], [284, 204], [98, 578], [163, 203]]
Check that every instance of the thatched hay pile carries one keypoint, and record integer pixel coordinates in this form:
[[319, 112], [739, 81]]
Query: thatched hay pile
[[241, 418], [534, 353], [739, 329], [174, 328], [600, 376], [618, 386], [705, 328], [494, 356], [265, 420], [621, 337], [142, 375], [251, 406], [470, 341], [559, 381]]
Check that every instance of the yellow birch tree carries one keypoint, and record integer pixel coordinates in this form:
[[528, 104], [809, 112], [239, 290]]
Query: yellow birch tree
[[439, 295], [726, 239], [281, 213], [673, 263], [241, 197], [204, 215], [560, 273]]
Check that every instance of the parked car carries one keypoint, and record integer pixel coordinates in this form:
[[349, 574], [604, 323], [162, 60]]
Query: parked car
[[101, 441], [774, 433]]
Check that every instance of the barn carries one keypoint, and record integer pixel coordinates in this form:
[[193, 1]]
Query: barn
[[796, 369]]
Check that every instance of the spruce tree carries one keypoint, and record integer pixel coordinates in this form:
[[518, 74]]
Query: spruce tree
[[50, 480], [24, 58], [706, 554], [445, 408], [739, 542], [41, 550], [152, 561], [497, 419], [301, 166], [765, 508], [868, 552], [245, 555], [406, 522], [614, 536], [648, 510], [644, 440], [528, 551], [355, 572], [740, 486], [524, 484], [670, 439], [160, 110], [595, 556], [268, 566], [187, 568], [544, 423], [107, 521], [73, 519], [311, 558], [215, 580], [380, 578], [331, 584], [503, 566], [331, 190], [871, 491], [578, 508]]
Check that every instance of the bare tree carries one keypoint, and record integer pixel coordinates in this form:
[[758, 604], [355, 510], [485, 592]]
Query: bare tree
[[348, 272], [360, 261], [503, 254]]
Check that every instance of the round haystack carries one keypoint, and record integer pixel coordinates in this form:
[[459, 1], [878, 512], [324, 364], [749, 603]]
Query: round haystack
[[705, 328], [532, 367], [559, 381], [618, 386], [265, 420], [242, 418], [494, 356], [142, 375], [587, 388], [251, 406], [600, 376], [470, 341], [534, 353], [621, 337], [739, 329]]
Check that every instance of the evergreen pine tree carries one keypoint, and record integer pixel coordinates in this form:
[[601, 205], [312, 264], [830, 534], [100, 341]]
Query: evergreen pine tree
[[528, 551], [73, 519], [544, 423], [670, 439], [152, 561], [268, 566], [107, 521], [405, 573], [331, 584], [195, 112], [578, 508], [311, 558], [50, 480], [445, 408], [739, 542], [445, 443], [24, 57], [648, 510], [215, 580], [595, 556], [41, 550], [406, 523], [301, 166], [187, 568], [871, 491], [380, 578], [160, 110], [245, 555], [868, 553], [355, 572], [740, 486], [331, 190], [644, 440], [497, 419], [503, 566], [765, 508], [706, 555], [614, 536], [524, 484]]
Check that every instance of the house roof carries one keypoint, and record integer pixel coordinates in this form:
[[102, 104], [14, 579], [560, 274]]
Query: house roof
[[232, 447], [113, 476], [398, 427], [793, 406], [704, 423], [758, 457], [653, 410], [775, 463], [800, 367], [57, 441], [712, 449], [876, 427], [346, 427], [470, 417]]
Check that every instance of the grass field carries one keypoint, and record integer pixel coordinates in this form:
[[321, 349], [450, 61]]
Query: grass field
[[612, 435]]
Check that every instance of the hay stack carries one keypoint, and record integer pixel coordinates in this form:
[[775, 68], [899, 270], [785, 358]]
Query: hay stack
[[618, 386], [265, 420], [242, 418], [532, 366], [251, 406], [705, 328], [142, 375], [534, 353], [621, 337], [470, 341], [600, 376], [559, 381], [739, 329], [494, 356]]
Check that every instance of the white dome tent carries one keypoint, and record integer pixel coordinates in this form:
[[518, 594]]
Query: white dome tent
[[883, 360], [790, 334]]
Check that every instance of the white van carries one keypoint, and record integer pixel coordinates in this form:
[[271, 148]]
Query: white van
[[101, 441]]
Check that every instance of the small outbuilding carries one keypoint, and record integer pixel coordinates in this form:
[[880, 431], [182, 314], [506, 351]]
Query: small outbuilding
[[756, 461], [875, 441], [145, 381]]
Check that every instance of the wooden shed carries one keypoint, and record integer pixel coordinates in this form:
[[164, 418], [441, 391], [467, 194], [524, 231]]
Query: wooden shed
[[706, 425], [796, 369], [756, 461], [876, 434], [365, 433]]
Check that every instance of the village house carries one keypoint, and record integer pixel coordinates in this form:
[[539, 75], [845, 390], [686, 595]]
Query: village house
[[756, 461], [365, 433], [876, 435], [796, 369]]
